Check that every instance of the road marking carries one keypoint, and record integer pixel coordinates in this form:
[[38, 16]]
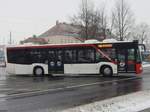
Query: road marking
[[98, 83], [5, 89], [40, 92]]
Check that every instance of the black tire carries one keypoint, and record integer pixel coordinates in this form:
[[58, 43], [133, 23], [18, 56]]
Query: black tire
[[38, 71], [106, 71]]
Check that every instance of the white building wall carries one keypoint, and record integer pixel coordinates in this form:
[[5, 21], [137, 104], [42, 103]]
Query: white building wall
[[62, 39]]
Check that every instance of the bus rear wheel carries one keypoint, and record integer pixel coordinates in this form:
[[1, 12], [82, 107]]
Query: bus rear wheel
[[38, 71], [106, 71]]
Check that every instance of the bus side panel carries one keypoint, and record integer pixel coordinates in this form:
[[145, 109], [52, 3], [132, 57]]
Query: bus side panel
[[28, 69], [87, 68], [81, 68], [21, 69], [18, 69], [10, 68]]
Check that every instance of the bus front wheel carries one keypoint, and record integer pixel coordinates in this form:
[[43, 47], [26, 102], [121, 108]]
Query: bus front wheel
[[38, 71], [106, 71]]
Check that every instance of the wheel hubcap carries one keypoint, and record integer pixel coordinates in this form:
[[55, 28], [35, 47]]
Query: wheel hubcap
[[107, 71], [39, 71]]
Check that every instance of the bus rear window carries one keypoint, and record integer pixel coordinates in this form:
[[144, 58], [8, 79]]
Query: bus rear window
[[20, 56]]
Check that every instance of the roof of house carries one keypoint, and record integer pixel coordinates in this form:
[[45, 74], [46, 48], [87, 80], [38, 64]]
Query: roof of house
[[35, 40], [65, 36], [62, 29]]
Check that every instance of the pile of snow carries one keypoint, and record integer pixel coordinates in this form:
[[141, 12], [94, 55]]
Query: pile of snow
[[2, 64], [134, 102], [146, 64], [96, 41], [109, 40], [90, 41]]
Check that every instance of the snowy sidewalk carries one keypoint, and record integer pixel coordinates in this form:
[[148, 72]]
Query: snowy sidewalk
[[134, 102], [146, 64]]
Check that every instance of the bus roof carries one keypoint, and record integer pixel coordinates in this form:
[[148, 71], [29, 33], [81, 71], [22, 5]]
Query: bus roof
[[65, 45]]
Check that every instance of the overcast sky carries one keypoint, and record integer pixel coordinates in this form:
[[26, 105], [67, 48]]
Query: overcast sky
[[27, 17]]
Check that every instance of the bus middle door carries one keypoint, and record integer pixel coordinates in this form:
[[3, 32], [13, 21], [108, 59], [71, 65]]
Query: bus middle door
[[59, 62], [56, 64]]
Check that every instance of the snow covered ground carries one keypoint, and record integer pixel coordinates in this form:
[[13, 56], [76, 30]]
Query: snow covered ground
[[146, 64], [134, 102]]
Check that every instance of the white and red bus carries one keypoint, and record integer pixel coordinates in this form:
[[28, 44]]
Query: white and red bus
[[107, 58]]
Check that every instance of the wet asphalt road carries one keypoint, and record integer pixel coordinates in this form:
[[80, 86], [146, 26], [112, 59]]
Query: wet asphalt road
[[37, 94]]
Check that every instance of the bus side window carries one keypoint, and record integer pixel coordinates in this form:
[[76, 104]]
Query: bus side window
[[70, 56], [37, 55], [12, 56], [86, 55], [98, 57], [22, 56], [109, 52]]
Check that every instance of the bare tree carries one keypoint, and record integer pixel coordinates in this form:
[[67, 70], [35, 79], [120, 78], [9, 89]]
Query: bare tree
[[83, 18], [102, 20], [141, 32], [122, 19], [91, 21]]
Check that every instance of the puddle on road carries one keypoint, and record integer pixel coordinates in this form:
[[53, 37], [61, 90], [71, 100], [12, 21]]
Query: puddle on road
[[3, 73], [2, 96], [2, 78]]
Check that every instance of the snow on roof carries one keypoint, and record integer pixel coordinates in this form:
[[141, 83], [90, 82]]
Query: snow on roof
[[109, 40], [91, 41], [87, 42]]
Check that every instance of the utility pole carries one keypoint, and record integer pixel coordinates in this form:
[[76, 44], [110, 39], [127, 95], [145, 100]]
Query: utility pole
[[86, 12], [4, 40], [10, 38], [122, 21], [85, 17]]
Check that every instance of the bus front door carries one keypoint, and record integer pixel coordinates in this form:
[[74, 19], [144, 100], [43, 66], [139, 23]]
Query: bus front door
[[55, 64], [126, 60]]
